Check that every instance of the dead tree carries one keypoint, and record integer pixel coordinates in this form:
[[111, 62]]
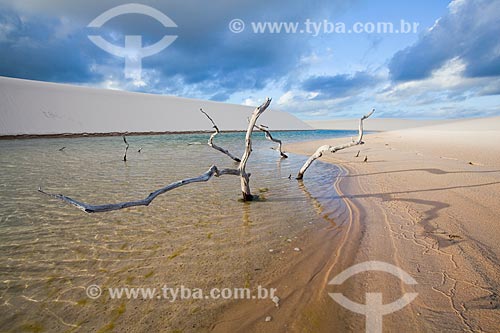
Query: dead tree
[[244, 176], [265, 129], [333, 149], [211, 140], [212, 171]]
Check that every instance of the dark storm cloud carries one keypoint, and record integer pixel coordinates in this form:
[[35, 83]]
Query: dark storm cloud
[[206, 54], [337, 86], [469, 31]]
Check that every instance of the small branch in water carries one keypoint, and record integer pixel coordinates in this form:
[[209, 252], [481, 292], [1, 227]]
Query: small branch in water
[[323, 149], [61, 149], [126, 149], [265, 129], [211, 139], [213, 171]]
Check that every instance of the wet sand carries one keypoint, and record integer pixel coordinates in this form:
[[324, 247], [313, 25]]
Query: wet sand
[[426, 201]]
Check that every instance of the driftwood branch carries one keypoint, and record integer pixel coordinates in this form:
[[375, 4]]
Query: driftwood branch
[[211, 139], [126, 149], [265, 129], [245, 177], [333, 149], [213, 171]]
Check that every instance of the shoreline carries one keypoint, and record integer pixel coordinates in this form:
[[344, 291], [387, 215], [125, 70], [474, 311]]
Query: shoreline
[[301, 281], [426, 203], [107, 134]]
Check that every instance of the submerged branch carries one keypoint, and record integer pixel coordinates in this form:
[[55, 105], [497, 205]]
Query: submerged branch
[[332, 149], [270, 138], [213, 171], [211, 140]]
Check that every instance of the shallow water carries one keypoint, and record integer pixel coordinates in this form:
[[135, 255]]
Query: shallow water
[[200, 236]]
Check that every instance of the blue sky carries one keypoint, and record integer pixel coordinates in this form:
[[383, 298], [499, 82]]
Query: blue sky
[[448, 68]]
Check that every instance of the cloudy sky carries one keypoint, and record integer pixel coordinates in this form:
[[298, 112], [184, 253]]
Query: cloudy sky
[[449, 67]]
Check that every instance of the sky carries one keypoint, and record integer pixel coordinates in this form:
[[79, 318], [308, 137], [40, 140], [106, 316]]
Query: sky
[[446, 66]]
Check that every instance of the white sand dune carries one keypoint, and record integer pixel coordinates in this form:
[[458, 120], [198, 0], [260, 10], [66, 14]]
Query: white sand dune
[[32, 107], [375, 124]]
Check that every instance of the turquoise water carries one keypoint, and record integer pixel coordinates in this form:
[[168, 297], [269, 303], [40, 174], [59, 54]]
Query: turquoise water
[[199, 235]]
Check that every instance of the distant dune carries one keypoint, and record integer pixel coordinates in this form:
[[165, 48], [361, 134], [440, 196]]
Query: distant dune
[[32, 107], [375, 124]]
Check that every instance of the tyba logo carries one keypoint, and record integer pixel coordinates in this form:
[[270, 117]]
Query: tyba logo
[[374, 310], [133, 51]]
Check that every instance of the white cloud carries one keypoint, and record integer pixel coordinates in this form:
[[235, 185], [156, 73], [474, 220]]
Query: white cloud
[[456, 5], [446, 83], [250, 101]]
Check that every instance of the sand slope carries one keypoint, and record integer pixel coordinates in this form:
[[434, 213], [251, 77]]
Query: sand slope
[[375, 124], [419, 203], [31, 107]]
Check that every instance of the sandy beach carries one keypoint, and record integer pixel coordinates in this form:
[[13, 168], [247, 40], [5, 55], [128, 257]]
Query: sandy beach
[[426, 201]]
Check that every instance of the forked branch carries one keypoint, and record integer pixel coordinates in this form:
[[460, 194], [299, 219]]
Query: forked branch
[[211, 140], [245, 177], [333, 149], [265, 129], [213, 171]]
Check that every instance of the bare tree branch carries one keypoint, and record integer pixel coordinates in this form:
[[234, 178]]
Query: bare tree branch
[[213, 171], [245, 177], [211, 140], [323, 149], [126, 149], [270, 138]]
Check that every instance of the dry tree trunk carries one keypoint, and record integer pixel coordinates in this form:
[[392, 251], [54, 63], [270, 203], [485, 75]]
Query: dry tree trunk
[[323, 149], [211, 140], [245, 177], [270, 138]]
